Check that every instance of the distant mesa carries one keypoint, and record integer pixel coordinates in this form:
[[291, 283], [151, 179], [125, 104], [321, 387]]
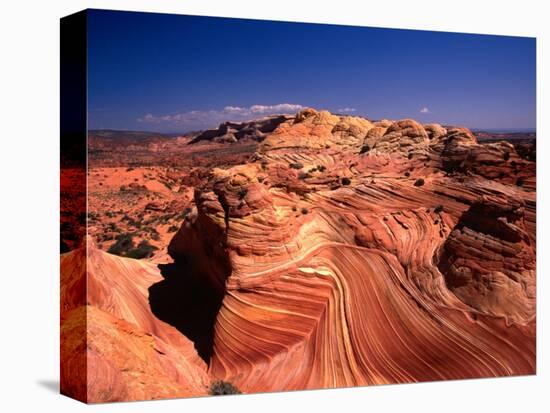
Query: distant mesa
[[236, 131]]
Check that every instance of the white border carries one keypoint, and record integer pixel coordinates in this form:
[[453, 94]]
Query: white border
[[29, 160]]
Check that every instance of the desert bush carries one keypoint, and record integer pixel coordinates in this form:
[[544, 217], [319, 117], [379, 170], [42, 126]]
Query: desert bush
[[221, 387], [296, 165], [438, 209], [143, 250], [419, 182], [124, 243], [304, 211], [346, 181], [364, 149], [407, 174], [303, 175], [321, 168], [172, 228], [124, 246]]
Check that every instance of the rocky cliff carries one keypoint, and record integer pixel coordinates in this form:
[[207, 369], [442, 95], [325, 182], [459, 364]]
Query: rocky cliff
[[344, 252], [354, 252]]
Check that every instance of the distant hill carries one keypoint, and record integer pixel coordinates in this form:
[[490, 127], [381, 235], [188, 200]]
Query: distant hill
[[127, 134]]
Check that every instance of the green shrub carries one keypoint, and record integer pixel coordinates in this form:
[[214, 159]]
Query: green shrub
[[221, 387], [124, 243], [124, 246], [346, 181], [419, 182], [143, 250], [296, 165]]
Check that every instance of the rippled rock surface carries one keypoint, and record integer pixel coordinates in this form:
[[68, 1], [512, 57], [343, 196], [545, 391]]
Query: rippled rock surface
[[359, 252], [345, 252]]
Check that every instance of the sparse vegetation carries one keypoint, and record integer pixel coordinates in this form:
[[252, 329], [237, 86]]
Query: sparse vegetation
[[407, 174], [172, 228], [304, 175], [296, 165], [221, 387], [304, 211], [346, 181], [364, 149], [438, 209], [419, 182], [125, 247]]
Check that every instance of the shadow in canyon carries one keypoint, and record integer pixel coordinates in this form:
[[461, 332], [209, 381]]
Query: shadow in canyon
[[187, 300]]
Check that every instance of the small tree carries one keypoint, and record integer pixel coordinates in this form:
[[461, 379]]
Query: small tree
[[221, 387]]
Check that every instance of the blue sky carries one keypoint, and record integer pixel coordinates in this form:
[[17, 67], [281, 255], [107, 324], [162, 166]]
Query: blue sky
[[172, 73]]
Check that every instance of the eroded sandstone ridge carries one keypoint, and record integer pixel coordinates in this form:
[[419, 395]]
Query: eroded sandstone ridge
[[344, 252], [355, 252], [112, 347]]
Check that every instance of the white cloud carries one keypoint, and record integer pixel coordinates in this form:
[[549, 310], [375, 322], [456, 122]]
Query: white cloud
[[211, 118], [424, 110], [346, 110]]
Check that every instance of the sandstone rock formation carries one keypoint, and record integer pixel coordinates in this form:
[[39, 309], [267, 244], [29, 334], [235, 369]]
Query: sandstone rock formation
[[113, 347], [410, 260], [344, 252]]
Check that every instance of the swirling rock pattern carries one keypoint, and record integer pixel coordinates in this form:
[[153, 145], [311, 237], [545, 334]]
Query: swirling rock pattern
[[345, 252], [410, 260]]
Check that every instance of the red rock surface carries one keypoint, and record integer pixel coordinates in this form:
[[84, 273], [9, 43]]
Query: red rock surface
[[375, 279], [345, 252], [113, 347]]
